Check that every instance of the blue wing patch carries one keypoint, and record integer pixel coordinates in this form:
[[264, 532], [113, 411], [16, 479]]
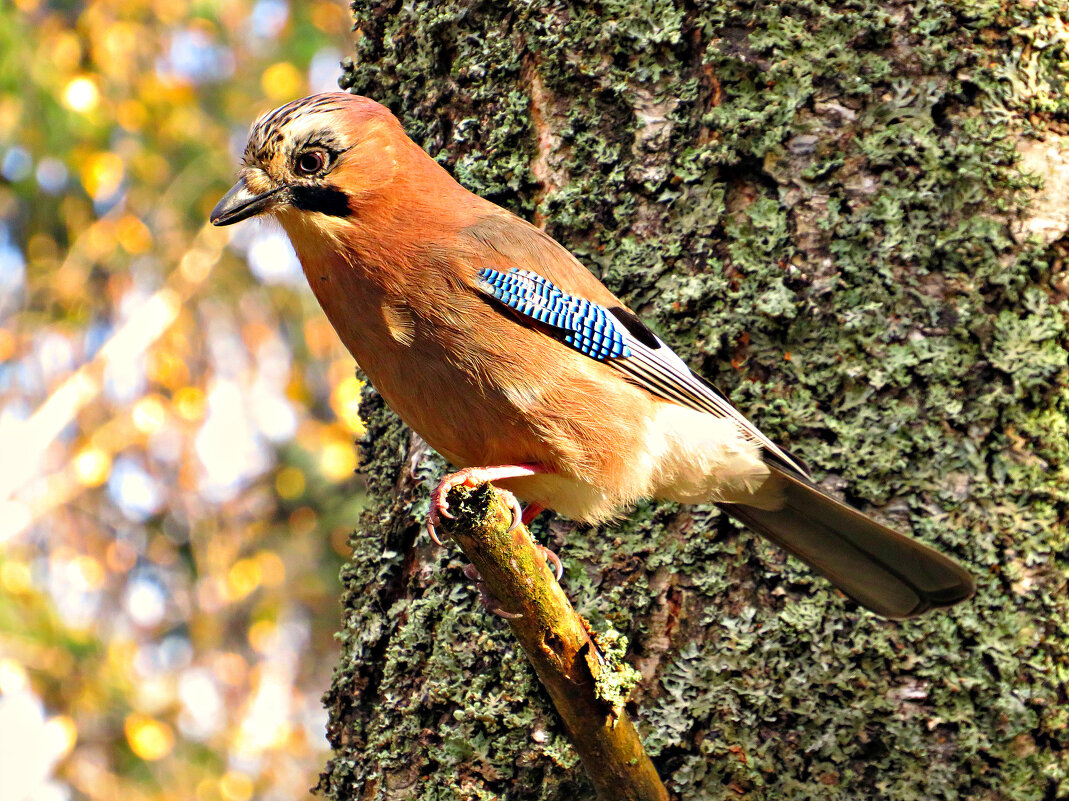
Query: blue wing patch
[[585, 326]]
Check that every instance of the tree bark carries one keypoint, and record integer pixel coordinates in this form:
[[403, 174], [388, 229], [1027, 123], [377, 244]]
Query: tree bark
[[830, 210]]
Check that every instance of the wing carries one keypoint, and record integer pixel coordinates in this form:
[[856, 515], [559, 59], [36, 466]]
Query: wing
[[619, 339]]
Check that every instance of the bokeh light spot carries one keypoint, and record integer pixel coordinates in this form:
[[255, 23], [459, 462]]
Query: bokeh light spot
[[263, 635], [167, 368], [13, 677], [289, 483], [92, 466], [328, 17], [282, 81], [236, 786], [100, 238], [131, 115], [62, 731], [81, 94], [120, 556], [66, 51], [145, 601], [339, 541], [150, 739], [272, 568], [208, 790], [15, 516], [230, 668], [101, 174], [196, 265], [303, 520], [337, 460], [345, 401], [15, 577], [149, 414], [189, 403], [242, 578], [87, 572], [7, 344], [133, 235]]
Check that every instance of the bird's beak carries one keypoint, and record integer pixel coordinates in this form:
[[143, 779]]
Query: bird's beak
[[239, 204]]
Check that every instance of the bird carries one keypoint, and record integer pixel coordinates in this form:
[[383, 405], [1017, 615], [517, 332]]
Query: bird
[[514, 362]]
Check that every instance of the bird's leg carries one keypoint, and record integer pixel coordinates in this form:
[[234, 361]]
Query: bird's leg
[[473, 477], [530, 513]]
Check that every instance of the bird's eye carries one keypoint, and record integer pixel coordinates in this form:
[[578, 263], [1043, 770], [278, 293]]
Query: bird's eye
[[310, 163]]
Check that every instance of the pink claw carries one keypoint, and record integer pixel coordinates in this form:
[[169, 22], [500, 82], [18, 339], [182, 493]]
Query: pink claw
[[552, 558], [517, 513], [433, 532], [530, 513]]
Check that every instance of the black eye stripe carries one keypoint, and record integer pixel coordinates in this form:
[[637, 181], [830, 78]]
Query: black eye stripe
[[324, 199]]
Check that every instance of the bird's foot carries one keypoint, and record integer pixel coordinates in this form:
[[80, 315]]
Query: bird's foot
[[473, 477], [491, 603], [552, 558]]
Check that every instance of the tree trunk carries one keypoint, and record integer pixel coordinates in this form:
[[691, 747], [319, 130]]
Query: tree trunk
[[822, 206]]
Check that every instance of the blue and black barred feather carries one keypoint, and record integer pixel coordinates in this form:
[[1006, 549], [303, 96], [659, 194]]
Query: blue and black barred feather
[[583, 325]]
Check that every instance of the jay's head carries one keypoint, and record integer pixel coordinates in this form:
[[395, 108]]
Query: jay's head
[[315, 161]]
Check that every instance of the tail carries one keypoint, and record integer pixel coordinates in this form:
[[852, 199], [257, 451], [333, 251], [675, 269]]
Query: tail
[[879, 568]]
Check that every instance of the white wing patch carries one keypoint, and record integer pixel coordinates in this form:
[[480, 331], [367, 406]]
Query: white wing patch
[[663, 373]]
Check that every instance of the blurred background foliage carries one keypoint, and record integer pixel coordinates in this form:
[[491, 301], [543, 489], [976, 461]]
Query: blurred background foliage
[[176, 416]]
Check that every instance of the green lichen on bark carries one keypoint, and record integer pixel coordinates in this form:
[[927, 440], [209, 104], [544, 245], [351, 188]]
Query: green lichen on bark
[[617, 679], [814, 202]]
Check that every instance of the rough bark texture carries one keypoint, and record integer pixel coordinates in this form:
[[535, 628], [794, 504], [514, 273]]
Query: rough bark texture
[[822, 205]]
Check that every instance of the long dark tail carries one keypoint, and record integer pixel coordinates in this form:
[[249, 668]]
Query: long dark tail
[[879, 568]]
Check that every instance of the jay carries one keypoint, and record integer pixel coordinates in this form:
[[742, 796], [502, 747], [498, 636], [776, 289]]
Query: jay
[[493, 343]]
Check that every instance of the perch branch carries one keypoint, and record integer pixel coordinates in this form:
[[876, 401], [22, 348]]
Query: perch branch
[[556, 641]]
